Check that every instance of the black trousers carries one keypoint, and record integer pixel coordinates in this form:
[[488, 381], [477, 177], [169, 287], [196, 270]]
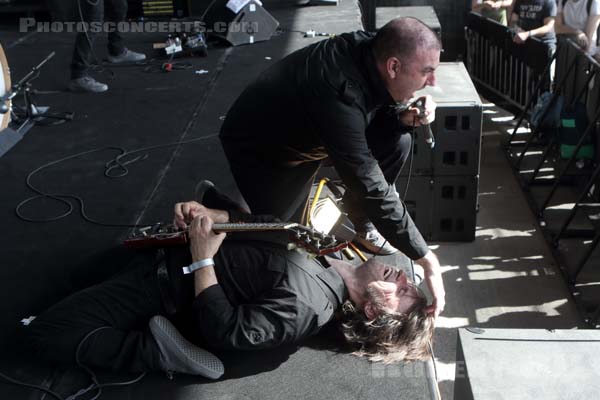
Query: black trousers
[[283, 190], [120, 308], [97, 11]]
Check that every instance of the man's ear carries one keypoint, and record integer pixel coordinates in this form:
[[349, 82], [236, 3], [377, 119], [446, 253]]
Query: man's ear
[[371, 311], [393, 67]]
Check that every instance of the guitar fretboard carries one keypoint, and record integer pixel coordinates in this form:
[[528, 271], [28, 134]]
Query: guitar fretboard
[[258, 226]]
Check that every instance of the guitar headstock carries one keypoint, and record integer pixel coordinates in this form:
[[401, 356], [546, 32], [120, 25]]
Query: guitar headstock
[[315, 242]]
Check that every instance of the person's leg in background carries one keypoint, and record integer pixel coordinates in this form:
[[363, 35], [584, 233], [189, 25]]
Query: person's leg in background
[[116, 11], [83, 54], [391, 148]]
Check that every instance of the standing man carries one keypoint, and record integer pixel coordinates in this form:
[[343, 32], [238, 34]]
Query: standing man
[[348, 99], [83, 56], [534, 18]]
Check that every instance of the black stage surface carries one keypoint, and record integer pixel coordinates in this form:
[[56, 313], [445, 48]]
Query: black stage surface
[[44, 262]]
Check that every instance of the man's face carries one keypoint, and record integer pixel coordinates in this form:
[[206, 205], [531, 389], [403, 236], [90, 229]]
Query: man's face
[[405, 77], [389, 287]]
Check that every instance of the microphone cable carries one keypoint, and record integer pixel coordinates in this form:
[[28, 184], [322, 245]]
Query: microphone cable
[[95, 386], [119, 164]]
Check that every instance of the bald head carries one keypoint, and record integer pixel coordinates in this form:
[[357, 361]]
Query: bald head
[[401, 37]]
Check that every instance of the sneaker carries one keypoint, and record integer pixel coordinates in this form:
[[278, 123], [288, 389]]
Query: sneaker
[[87, 84], [373, 242], [179, 355], [127, 56]]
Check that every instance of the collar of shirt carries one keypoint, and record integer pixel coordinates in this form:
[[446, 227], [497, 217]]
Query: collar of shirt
[[332, 279]]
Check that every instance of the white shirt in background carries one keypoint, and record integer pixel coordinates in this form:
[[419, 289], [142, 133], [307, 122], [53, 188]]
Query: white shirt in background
[[575, 15]]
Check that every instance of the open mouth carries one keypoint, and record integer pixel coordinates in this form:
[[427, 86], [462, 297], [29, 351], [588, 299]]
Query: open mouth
[[387, 272]]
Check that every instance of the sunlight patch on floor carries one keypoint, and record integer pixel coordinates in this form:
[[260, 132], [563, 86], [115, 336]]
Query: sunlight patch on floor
[[446, 371], [499, 274], [484, 314], [496, 233], [456, 322], [503, 119]]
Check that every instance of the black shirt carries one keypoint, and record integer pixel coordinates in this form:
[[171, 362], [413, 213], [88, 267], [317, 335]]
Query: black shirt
[[317, 103], [532, 14], [266, 296]]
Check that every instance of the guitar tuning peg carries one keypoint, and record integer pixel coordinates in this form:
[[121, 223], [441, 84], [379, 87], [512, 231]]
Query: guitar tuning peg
[[291, 246]]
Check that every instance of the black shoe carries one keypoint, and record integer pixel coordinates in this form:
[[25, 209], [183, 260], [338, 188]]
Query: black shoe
[[207, 194], [179, 355]]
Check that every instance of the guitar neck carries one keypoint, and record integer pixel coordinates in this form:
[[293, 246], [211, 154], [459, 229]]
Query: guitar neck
[[250, 227]]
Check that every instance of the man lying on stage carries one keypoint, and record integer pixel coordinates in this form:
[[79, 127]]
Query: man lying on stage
[[245, 295]]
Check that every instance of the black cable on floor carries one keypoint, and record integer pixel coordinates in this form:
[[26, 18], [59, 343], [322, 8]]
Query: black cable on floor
[[96, 385], [32, 386], [120, 162]]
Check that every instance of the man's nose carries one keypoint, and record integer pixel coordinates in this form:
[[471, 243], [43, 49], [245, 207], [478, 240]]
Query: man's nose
[[431, 79]]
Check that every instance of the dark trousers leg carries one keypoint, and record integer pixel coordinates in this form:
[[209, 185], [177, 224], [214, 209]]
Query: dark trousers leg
[[123, 304], [116, 11], [83, 56], [391, 148], [281, 191]]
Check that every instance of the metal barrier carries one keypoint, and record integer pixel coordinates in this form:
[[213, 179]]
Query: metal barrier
[[576, 83], [515, 73]]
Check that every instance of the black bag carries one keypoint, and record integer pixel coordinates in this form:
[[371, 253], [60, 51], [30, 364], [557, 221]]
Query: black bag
[[551, 122]]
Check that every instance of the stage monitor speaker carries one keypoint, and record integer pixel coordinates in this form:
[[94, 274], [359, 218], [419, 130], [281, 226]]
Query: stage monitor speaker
[[524, 364], [251, 23]]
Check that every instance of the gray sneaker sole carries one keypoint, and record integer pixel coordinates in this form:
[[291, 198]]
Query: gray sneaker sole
[[78, 89], [125, 60], [371, 248], [199, 361]]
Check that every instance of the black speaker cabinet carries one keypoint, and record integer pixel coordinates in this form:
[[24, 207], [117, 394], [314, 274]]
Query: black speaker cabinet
[[250, 24]]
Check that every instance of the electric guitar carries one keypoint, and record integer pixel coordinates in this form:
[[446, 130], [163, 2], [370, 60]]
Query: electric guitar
[[300, 236]]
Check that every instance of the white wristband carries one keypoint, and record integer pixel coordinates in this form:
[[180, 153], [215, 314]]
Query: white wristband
[[206, 262]]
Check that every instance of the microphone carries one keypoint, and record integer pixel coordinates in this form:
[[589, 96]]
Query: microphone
[[429, 138]]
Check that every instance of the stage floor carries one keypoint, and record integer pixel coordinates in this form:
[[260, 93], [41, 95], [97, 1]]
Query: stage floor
[[506, 278]]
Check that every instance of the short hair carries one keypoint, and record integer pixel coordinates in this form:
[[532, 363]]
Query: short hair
[[401, 37], [391, 336]]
